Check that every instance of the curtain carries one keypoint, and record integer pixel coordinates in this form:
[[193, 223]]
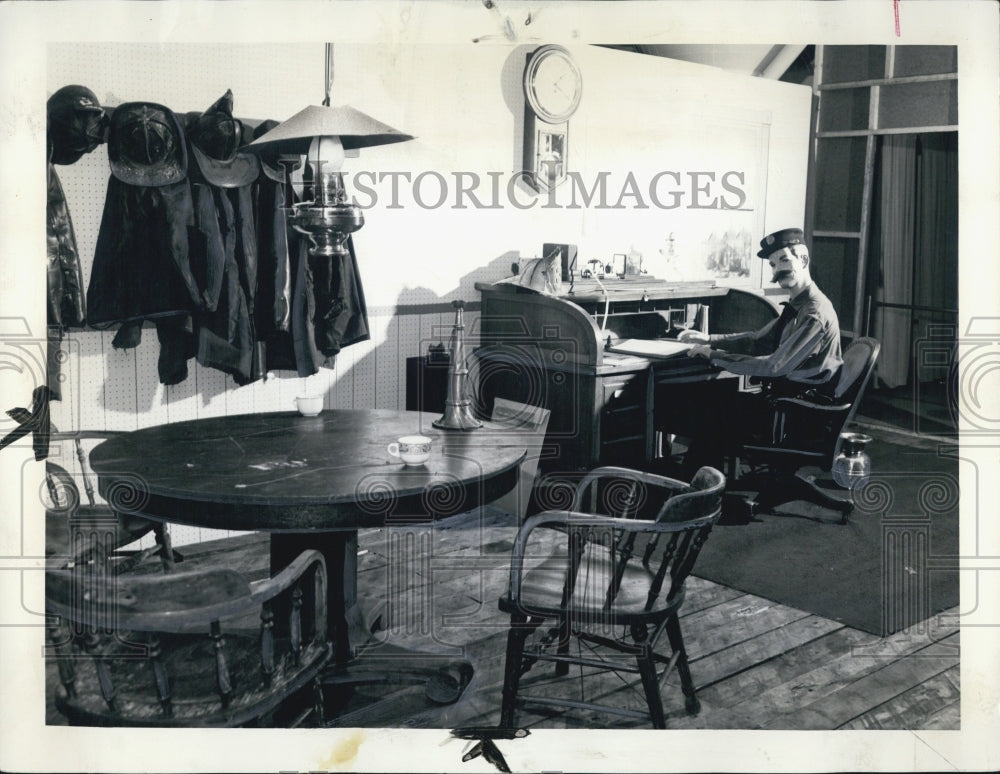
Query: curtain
[[936, 249], [896, 249]]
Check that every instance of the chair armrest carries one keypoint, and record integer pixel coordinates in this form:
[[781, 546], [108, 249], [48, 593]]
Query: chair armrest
[[611, 471], [566, 519], [777, 453], [806, 405], [680, 495], [84, 435], [267, 588]]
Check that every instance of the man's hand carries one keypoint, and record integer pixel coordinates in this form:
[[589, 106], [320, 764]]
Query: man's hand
[[693, 336], [700, 350]]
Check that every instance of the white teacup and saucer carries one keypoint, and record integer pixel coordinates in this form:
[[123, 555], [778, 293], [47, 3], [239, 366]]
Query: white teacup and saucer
[[412, 449]]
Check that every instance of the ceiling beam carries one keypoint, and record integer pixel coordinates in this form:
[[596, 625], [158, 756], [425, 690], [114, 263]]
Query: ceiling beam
[[777, 62]]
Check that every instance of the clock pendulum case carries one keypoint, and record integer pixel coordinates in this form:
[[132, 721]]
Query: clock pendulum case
[[552, 89]]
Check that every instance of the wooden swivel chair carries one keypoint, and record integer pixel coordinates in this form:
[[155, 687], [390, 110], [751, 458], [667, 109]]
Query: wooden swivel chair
[[807, 433], [611, 578], [197, 648]]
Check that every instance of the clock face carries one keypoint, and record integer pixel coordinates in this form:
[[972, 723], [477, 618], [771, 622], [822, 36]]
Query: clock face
[[552, 84]]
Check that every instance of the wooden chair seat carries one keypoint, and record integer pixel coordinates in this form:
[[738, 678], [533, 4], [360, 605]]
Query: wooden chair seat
[[542, 588]]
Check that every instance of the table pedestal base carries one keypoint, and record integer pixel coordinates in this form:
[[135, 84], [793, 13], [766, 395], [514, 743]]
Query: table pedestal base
[[358, 659], [444, 681]]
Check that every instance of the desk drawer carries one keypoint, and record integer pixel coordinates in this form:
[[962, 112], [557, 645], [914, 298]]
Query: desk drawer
[[621, 392], [629, 451], [622, 421], [624, 413]]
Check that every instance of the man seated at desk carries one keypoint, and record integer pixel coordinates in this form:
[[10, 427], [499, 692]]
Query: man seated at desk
[[796, 354]]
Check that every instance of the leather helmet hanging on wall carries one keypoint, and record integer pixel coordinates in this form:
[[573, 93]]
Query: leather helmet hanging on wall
[[146, 145], [77, 124], [215, 131], [216, 138]]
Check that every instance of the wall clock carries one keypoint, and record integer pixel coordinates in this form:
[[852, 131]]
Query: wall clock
[[552, 89]]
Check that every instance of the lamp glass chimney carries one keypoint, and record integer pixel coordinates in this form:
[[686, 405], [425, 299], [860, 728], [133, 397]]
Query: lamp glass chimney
[[326, 157]]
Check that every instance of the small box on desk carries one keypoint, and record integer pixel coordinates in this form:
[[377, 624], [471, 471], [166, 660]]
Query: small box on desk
[[426, 383]]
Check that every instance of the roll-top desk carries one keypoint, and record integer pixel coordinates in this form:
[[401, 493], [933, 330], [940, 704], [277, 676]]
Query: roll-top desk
[[550, 351]]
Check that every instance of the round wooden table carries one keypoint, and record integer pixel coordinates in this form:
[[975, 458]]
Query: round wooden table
[[311, 482]]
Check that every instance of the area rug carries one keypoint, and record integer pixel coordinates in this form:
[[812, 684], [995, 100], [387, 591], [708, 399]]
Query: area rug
[[892, 566]]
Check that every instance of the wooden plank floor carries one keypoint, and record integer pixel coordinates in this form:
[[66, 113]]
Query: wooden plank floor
[[756, 664]]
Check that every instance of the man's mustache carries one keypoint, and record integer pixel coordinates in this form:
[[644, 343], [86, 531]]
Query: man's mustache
[[779, 275]]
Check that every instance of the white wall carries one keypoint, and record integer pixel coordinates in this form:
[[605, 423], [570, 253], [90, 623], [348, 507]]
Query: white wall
[[639, 115]]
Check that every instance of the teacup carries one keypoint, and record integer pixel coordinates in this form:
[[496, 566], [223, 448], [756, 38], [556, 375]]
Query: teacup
[[412, 449], [309, 405]]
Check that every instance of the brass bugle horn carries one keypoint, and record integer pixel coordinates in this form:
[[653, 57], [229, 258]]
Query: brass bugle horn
[[457, 406]]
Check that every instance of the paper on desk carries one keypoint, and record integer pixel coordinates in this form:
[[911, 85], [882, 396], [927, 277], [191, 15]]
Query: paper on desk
[[660, 348]]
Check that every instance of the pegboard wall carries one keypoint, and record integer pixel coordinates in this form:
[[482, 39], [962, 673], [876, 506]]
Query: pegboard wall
[[267, 82]]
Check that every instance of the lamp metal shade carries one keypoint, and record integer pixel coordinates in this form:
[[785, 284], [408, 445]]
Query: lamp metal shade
[[355, 129]]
